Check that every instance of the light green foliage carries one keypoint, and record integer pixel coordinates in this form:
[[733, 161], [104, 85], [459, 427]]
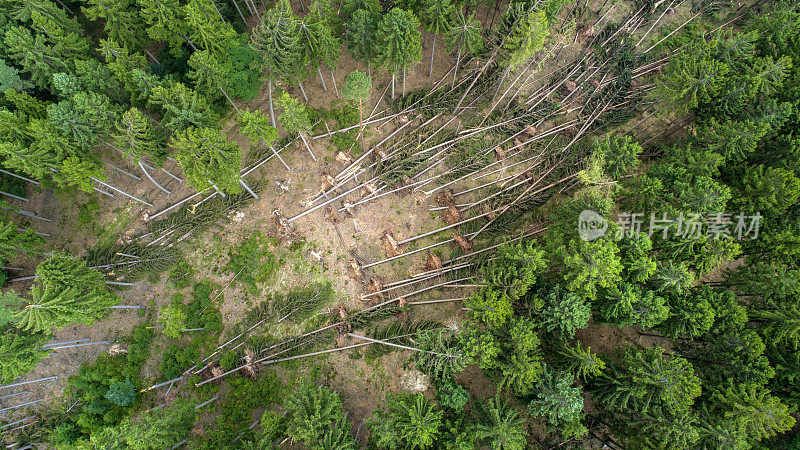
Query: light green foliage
[[122, 20], [649, 381], [452, 395], [122, 393], [398, 40], [672, 277], [255, 125], [316, 418], [357, 87], [65, 292], [166, 21], [508, 277], [19, 353], [208, 158], [207, 29], [14, 242], [528, 34], [158, 429], [690, 315], [10, 301], [564, 313], [436, 15], [464, 36], [40, 54], [754, 410], [781, 321], [561, 403], [621, 154], [172, 318], [136, 136], [581, 362], [408, 420], [629, 304], [83, 118], [181, 106], [694, 76], [252, 263], [442, 356], [590, 265], [277, 40], [294, 118], [521, 366], [361, 35], [504, 429], [10, 79], [771, 190], [637, 261]]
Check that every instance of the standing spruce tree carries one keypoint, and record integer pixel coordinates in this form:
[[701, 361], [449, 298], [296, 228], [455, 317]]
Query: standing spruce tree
[[122, 20], [436, 17], [294, 119], [41, 54], [361, 38], [207, 28], [136, 136], [276, 38], [649, 381], [399, 44], [504, 429], [581, 362], [315, 412], [564, 313], [166, 22], [357, 88], [181, 107], [14, 242], [66, 291], [19, 353], [757, 413], [255, 126], [318, 46], [409, 420], [561, 403], [464, 37], [210, 75], [208, 159]]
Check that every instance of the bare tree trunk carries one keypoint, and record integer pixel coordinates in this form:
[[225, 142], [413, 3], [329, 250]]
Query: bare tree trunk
[[404, 81], [393, 77], [247, 188], [333, 78], [152, 56], [271, 109], [303, 137], [324, 87], [303, 91], [229, 100], [433, 52], [455, 72], [65, 7], [147, 174], [244, 21], [361, 123]]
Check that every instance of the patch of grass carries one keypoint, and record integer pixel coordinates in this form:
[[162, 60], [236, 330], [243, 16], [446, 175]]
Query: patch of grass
[[234, 413], [252, 263]]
